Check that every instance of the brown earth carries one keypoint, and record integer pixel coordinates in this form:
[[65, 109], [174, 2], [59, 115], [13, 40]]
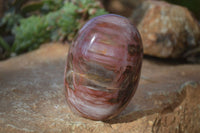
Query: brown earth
[[32, 97]]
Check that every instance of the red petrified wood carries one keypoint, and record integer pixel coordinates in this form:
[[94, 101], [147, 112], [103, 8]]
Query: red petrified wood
[[103, 67]]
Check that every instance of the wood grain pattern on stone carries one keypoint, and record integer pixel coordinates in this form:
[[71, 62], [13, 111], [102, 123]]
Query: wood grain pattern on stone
[[32, 97], [103, 67]]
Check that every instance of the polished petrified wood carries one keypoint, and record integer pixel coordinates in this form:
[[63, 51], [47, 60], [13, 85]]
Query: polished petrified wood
[[103, 67]]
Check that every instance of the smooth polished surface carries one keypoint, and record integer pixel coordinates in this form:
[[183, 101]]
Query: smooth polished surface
[[103, 67]]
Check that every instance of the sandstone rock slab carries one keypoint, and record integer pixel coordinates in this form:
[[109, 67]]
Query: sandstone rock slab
[[32, 97]]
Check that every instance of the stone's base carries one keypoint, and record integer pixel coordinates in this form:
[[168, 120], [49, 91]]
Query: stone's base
[[32, 97]]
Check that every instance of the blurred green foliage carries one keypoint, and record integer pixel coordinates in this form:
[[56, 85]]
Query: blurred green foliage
[[51, 5], [15, 11], [31, 32], [18, 9], [54, 22]]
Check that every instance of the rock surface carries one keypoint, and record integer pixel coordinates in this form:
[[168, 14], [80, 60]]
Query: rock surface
[[97, 68], [32, 97], [121, 7], [167, 30]]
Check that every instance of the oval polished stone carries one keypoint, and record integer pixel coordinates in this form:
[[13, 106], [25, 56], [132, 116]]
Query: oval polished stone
[[103, 67]]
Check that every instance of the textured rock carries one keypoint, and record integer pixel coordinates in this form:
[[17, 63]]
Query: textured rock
[[103, 67], [132, 3], [167, 30], [122, 7], [32, 97]]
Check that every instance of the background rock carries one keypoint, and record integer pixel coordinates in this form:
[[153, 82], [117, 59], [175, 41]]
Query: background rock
[[32, 97], [167, 30], [192, 5], [124, 7], [121, 7]]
